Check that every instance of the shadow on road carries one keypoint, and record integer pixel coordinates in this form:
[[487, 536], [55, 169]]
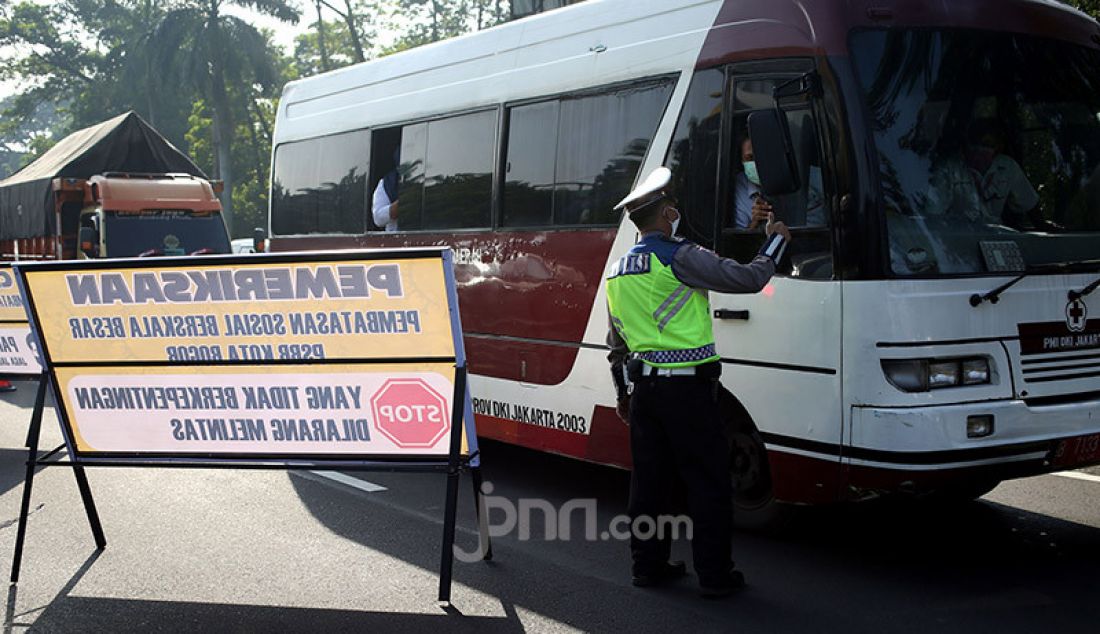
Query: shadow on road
[[880, 567], [875, 567], [10, 617], [92, 614], [13, 469]]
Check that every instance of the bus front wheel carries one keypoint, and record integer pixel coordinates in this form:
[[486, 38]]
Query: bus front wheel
[[754, 503]]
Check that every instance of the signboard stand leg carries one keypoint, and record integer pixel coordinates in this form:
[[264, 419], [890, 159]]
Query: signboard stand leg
[[32, 461], [89, 507], [42, 378], [485, 542], [446, 564], [34, 434]]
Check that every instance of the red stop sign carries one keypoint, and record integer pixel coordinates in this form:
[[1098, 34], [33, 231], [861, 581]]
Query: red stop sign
[[410, 413]]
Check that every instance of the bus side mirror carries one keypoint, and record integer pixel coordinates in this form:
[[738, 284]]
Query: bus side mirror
[[89, 242], [259, 240], [774, 151]]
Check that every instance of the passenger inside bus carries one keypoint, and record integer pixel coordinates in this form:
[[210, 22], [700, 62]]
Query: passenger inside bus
[[982, 183], [384, 206], [751, 206], [385, 160]]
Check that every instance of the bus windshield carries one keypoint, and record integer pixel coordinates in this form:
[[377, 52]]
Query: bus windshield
[[988, 148], [165, 232]]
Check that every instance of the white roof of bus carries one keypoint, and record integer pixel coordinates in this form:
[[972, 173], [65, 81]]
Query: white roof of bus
[[545, 54]]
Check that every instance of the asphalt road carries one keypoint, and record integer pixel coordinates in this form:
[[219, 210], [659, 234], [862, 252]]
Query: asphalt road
[[263, 551]]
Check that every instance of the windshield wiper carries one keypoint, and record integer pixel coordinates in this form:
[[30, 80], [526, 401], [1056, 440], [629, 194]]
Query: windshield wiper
[[994, 295], [1075, 295]]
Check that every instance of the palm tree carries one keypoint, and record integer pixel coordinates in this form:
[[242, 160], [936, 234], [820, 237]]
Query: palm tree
[[128, 29], [212, 51]]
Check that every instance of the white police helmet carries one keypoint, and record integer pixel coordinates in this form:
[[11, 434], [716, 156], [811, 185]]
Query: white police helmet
[[653, 187]]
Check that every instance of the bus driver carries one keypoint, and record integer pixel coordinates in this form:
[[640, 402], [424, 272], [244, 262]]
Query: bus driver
[[751, 207]]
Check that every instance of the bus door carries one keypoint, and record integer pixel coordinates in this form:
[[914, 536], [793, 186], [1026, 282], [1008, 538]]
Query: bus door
[[780, 348]]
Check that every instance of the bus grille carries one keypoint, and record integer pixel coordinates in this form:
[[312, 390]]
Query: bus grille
[[1064, 367]]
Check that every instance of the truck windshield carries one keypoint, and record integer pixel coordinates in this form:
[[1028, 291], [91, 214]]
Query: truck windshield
[[164, 232], [988, 148]]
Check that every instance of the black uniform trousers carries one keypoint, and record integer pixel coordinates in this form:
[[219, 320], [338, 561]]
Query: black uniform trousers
[[676, 429]]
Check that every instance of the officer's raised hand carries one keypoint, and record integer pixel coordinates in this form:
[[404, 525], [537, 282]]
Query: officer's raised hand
[[774, 226]]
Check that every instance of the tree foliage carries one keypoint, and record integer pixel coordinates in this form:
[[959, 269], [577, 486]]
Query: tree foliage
[[1091, 7], [225, 60], [206, 79]]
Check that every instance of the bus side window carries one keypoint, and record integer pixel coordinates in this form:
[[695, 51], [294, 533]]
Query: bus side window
[[569, 160], [458, 172], [445, 169], [414, 148], [320, 185], [529, 165]]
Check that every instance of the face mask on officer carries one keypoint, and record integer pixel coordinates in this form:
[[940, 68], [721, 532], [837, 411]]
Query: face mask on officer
[[675, 223]]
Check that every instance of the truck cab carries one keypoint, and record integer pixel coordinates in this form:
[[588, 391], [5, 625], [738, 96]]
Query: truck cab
[[127, 215]]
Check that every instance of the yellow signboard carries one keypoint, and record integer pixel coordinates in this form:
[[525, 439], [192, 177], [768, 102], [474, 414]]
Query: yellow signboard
[[318, 357], [286, 410], [297, 361], [18, 348], [191, 312], [11, 302]]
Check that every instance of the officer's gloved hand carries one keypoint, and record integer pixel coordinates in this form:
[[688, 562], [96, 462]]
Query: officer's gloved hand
[[622, 408], [775, 226]]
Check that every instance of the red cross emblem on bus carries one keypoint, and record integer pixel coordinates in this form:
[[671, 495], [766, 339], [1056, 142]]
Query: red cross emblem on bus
[[1076, 315]]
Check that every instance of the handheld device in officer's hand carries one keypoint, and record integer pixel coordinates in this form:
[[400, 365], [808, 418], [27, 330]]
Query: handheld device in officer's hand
[[770, 245]]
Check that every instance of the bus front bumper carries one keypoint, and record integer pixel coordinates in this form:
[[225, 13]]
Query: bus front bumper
[[922, 448]]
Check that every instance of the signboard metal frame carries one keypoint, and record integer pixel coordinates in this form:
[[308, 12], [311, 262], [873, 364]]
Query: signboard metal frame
[[452, 463], [37, 374]]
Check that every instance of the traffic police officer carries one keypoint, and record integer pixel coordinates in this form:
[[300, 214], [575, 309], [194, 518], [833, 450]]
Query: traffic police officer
[[662, 346]]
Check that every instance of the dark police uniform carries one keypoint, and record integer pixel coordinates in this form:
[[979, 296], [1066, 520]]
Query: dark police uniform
[[662, 344]]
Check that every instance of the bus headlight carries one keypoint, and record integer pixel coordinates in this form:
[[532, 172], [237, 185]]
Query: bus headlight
[[975, 371], [922, 375], [943, 374]]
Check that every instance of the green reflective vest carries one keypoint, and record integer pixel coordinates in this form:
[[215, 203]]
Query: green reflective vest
[[662, 320]]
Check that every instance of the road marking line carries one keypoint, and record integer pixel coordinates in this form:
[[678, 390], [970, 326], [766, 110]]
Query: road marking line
[[1077, 475], [387, 502], [355, 483]]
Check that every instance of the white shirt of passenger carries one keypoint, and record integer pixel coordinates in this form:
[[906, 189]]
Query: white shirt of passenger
[[958, 189], [381, 208]]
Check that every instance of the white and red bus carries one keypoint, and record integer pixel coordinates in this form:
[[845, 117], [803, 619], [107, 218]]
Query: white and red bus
[[877, 360]]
